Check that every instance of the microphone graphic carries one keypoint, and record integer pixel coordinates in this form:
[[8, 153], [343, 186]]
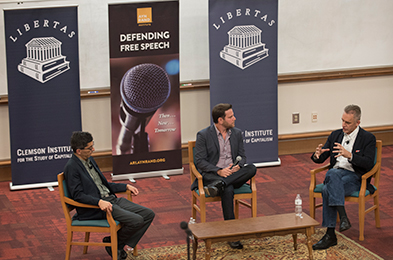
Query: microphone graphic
[[144, 88], [238, 159]]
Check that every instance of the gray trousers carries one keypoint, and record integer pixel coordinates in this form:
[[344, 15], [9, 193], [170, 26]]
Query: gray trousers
[[135, 220]]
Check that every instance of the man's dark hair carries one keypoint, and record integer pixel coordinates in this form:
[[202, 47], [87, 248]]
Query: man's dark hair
[[79, 140], [219, 111], [355, 110]]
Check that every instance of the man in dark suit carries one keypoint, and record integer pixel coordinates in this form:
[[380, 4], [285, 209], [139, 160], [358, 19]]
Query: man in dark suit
[[86, 184], [351, 151], [216, 150]]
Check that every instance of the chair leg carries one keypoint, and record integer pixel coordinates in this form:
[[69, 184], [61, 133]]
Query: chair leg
[[114, 243], [193, 209], [87, 237], [377, 218], [114, 249], [135, 252], [68, 249], [362, 213], [236, 209], [203, 211], [312, 211], [254, 207]]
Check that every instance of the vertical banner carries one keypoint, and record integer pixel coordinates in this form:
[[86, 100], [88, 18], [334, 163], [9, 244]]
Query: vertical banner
[[43, 92], [243, 71], [145, 100]]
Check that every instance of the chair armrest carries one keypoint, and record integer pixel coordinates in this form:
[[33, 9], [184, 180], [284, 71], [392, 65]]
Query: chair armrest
[[365, 176], [371, 172], [320, 169], [78, 204], [74, 203], [128, 192], [313, 180], [253, 184], [195, 174]]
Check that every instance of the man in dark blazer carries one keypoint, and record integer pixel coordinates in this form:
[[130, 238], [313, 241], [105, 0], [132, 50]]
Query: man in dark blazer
[[352, 152], [217, 150], [87, 184]]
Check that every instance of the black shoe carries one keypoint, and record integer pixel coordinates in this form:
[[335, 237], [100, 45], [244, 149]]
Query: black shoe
[[344, 224], [236, 245], [214, 188], [121, 254], [326, 242]]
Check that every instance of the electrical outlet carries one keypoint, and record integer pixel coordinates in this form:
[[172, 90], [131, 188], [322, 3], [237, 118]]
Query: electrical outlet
[[314, 117], [295, 118]]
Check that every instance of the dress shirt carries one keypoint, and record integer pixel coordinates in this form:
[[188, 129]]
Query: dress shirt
[[225, 149], [347, 142], [104, 191]]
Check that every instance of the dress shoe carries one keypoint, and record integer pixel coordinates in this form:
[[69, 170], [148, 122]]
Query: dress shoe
[[344, 224], [214, 188], [326, 242], [121, 254], [236, 245]]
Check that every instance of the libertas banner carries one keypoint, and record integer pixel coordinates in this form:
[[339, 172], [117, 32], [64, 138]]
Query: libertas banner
[[243, 71], [43, 92], [145, 101]]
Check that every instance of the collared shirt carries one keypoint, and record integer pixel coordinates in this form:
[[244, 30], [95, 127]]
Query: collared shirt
[[104, 191], [225, 149], [347, 142]]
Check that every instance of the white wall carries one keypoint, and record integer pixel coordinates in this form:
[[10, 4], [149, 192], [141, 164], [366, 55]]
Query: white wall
[[328, 98], [312, 36]]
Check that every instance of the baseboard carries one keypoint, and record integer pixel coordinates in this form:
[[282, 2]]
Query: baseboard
[[287, 144]]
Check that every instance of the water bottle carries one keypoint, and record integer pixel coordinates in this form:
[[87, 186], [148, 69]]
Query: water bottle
[[298, 206], [192, 221]]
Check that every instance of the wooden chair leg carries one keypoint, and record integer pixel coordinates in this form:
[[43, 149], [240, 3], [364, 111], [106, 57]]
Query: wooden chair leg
[[69, 239], [312, 211], [362, 213], [254, 207], [237, 209], [135, 252], [377, 218], [203, 211], [87, 237], [193, 209]]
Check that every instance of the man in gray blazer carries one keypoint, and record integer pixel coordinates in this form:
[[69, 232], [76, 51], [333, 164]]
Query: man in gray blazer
[[217, 150]]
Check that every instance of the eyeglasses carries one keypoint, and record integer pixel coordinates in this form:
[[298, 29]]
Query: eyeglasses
[[89, 148]]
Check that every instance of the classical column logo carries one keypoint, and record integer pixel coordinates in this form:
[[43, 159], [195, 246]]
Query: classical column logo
[[244, 46], [44, 60]]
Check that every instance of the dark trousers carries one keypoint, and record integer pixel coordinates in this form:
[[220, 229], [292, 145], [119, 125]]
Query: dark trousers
[[232, 182], [135, 220]]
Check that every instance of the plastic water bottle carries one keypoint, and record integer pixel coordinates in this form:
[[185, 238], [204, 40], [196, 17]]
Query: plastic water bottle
[[298, 206], [192, 221]]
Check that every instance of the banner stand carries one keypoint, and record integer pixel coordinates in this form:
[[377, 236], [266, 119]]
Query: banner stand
[[48, 185], [131, 176]]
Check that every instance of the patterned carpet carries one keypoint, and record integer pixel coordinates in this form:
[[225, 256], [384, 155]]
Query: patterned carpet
[[32, 222], [264, 248]]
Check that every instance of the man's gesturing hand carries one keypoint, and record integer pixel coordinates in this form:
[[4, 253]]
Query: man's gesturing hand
[[320, 151]]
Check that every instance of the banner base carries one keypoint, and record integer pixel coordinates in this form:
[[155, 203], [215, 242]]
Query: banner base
[[162, 173], [33, 186], [267, 164]]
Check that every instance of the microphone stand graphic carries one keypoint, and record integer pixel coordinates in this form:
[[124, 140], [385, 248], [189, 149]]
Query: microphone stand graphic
[[143, 88]]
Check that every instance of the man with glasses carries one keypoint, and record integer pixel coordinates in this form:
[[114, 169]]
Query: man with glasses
[[351, 151], [87, 184]]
